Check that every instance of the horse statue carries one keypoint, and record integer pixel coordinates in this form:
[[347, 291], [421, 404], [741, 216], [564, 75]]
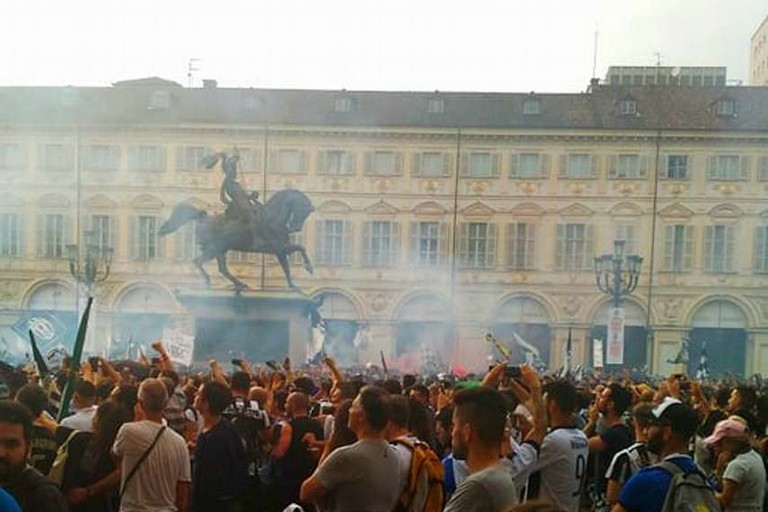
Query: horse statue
[[268, 232]]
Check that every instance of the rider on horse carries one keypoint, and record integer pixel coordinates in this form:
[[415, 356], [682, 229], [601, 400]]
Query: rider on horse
[[241, 205]]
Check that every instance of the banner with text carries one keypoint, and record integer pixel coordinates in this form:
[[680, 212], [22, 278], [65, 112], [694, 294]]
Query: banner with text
[[597, 353], [615, 352], [180, 346]]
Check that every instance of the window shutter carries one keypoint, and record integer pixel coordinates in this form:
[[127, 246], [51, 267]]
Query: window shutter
[[347, 245], [495, 165], [545, 163], [589, 246], [513, 165], [367, 252], [709, 233], [688, 248], [443, 243], [643, 163], [349, 165], [595, 167], [463, 243], [322, 162], [563, 170], [414, 241], [530, 251], [464, 165], [20, 248], [490, 245], [302, 160], [711, 170], [416, 164], [730, 239], [40, 228], [67, 234], [274, 161], [760, 255], [510, 245], [560, 251], [669, 248], [664, 167], [113, 238], [398, 170], [746, 167], [160, 242], [369, 163], [448, 164], [394, 259], [179, 151], [133, 238], [320, 242], [612, 172]]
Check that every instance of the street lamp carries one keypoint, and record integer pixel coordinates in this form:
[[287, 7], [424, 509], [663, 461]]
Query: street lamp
[[617, 274], [91, 265]]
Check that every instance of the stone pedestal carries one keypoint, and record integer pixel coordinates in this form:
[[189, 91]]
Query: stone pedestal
[[255, 325]]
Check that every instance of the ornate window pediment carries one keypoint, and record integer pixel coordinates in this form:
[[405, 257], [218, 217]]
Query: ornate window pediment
[[626, 210], [100, 202], [381, 208], [478, 210], [528, 210], [147, 202], [726, 211], [54, 201], [576, 210], [429, 208], [8, 199], [676, 210], [334, 206]]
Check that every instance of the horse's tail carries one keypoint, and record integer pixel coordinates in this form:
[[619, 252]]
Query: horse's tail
[[182, 214]]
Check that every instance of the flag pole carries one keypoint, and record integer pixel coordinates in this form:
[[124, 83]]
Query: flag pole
[[77, 355]]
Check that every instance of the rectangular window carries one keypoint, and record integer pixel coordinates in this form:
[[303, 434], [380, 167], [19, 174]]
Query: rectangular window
[[678, 248], [146, 238], [52, 240], [478, 245], [380, 243], [11, 157], [579, 166], [146, 158], [342, 104], [250, 160], [531, 107], [574, 247], [101, 157], [627, 107], [520, 246], [186, 243], [384, 163], [725, 108], [529, 165], [761, 249], [336, 162], [101, 236], [436, 106], [289, 161], [431, 164], [763, 168], [426, 244], [728, 168], [10, 235], [190, 158], [56, 157], [677, 167], [627, 166], [481, 165], [626, 233], [718, 249], [333, 242]]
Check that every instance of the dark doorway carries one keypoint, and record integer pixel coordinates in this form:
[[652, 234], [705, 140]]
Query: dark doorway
[[134, 330], [339, 341], [424, 346], [257, 341], [635, 343], [537, 335], [726, 351]]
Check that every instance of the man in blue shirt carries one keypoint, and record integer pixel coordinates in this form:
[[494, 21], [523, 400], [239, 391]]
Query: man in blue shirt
[[672, 426]]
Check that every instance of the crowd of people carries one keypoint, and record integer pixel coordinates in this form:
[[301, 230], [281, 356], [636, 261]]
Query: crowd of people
[[147, 438]]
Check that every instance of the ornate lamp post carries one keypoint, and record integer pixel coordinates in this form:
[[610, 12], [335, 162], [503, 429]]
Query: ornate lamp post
[[617, 275], [91, 265]]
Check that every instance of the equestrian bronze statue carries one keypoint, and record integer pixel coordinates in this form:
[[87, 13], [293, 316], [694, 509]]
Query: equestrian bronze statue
[[246, 225]]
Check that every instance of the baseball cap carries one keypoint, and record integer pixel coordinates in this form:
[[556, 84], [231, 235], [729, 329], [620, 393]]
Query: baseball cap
[[675, 414], [730, 428]]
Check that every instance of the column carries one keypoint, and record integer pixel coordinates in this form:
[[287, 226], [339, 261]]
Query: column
[[757, 352]]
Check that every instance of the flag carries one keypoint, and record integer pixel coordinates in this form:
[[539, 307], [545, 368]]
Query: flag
[[383, 363], [568, 351], [42, 368], [703, 371], [77, 354]]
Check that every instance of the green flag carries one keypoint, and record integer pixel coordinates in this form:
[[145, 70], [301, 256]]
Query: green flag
[[77, 354], [42, 368]]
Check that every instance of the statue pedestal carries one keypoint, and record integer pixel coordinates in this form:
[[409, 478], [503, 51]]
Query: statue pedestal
[[255, 325]]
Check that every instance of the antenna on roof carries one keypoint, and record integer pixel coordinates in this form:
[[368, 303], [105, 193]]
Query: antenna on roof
[[594, 56], [190, 69]]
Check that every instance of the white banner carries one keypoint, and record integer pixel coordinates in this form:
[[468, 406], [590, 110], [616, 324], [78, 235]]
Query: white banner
[[615, 353], [597, 353], [180, 346]]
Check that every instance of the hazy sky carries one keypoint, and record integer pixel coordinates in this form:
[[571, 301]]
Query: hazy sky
[[478, 45]]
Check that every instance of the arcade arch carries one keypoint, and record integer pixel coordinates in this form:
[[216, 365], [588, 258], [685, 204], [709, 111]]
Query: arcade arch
[[523, 322], [424, 334], [140, 313], [719, 326], [635, 334], [342, 327]]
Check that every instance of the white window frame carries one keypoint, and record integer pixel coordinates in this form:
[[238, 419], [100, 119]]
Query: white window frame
[[289, 161], [480, 164], [379, 243], [384, 163], [575, 246], [342, 104], [147, 158], [427, 242], [582, 172], [11, 235], [531, 107], [478, 245], [628, 166], [190, 158], [435, 106], [670, 169], [725, 108], [147, 242], [63, 161], [678, 248], [102, 158], [521, 246], [337, 162], [719, 248], [627, 107], [12, 157], [534, 171], [760, 264], [54, 236], [726, 167], [333, 244]]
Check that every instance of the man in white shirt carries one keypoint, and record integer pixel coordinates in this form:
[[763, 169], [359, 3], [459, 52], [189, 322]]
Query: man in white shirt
[[84, 400], [161, 482]]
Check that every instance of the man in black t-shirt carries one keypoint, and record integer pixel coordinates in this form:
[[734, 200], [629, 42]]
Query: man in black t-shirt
[[43, 441], [612, 402]]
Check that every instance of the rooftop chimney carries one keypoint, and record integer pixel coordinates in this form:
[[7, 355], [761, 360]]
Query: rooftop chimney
[[210, 84]]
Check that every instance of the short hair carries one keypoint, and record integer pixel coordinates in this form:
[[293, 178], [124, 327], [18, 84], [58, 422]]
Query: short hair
[[217, 395], [375, 404], [171, 375], [564, 394], [399, 410], [153, 395], [421, 389], [85, 389], [392, 386], [483, 408], [620, 396], [33, 397], [241, 381], [721, 397], [445, 417], [17, 414], [299, 400], [408, 380], [304, 384], [748, 396], [643, 414]]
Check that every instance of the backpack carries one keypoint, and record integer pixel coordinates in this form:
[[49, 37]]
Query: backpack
[[248, 420], [424, 491], [688, 491], [56, 474]]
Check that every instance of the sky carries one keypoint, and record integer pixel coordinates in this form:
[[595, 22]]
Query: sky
[[447, 45]]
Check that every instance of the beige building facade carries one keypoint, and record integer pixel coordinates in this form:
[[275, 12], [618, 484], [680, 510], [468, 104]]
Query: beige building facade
[[438, 216], [758, 56]]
